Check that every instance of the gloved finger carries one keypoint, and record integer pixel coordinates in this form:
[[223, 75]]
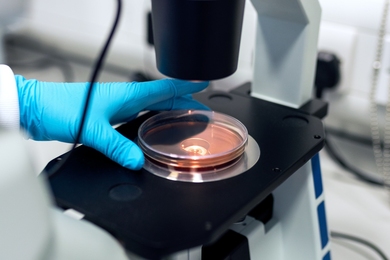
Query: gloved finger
[[180, 87], [148, 93], [119, 119], [177, 104], [115, 146]]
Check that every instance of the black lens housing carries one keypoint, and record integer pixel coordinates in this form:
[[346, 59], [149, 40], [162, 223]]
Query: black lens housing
[[197, 39]]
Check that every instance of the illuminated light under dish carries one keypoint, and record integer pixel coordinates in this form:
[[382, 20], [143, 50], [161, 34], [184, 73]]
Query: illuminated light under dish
[[195, 146], [192, 141]]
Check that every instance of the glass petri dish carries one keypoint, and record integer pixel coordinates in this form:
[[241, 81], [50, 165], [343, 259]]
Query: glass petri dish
[[193, 140]]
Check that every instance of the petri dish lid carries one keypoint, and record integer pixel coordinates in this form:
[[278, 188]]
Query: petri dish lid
[[193, 140]]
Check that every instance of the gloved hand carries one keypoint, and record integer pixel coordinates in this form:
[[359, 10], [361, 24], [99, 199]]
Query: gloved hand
[[52, 111]]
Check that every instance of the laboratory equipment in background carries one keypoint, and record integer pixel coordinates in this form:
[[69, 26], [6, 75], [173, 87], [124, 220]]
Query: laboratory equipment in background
[[354, 41], [359, 103]]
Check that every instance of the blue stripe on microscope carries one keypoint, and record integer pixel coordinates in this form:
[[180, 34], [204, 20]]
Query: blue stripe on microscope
[[322, 224], [327, 256], [316, 169]]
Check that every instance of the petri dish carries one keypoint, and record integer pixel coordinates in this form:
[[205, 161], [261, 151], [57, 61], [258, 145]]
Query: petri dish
[[192, 141]]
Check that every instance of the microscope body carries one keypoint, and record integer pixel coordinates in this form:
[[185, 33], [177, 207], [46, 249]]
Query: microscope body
[[284, 68], [295, 226]]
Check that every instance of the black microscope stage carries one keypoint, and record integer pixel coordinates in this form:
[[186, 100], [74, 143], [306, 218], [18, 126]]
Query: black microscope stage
[[154, 217]]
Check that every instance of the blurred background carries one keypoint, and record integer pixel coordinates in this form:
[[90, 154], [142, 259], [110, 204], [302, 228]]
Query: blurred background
[[60, 40]]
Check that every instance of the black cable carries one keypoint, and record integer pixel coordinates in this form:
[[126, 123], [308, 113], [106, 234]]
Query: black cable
[[95, 74], [334, 234], [332, 151], [96, 71]]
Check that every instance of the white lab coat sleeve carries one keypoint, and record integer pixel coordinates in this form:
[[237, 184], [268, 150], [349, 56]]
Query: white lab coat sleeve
[[9, 100]]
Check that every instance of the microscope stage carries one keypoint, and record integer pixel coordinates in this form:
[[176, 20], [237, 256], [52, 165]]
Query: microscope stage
[[154, 217]]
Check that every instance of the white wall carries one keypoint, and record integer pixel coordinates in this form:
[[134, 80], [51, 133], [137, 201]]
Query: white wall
[[81, 27]]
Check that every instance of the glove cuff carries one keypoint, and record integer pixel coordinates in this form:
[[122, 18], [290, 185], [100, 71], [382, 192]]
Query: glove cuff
[[9, 101]]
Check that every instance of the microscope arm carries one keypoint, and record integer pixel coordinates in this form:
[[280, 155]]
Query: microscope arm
[[286, 50]]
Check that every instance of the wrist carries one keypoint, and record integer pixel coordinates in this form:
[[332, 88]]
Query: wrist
[[9, 101]]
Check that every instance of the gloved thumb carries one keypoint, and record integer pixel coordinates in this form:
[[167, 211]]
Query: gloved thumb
[[115, 146]]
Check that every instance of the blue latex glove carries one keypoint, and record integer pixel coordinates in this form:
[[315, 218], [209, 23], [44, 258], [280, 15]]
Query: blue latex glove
[[52, 111]]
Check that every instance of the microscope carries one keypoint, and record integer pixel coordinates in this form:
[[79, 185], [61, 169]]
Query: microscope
[[275, 209]]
